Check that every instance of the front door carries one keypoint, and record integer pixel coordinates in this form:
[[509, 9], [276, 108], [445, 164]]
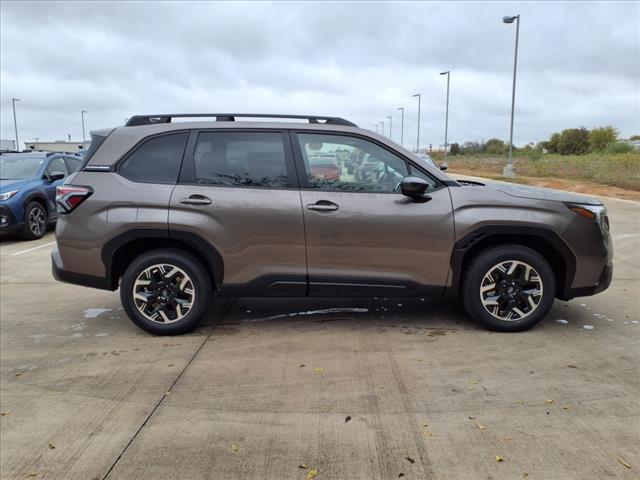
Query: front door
[[238, 192], [363, 237]]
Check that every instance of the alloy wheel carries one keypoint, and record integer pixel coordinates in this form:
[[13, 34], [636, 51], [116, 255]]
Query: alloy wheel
[[511, 290], [37, 221], [164, 293]]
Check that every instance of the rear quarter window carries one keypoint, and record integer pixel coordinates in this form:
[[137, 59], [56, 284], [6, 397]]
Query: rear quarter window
[[157, 160]]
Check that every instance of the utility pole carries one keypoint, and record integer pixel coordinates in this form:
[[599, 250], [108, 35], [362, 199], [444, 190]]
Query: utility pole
[[15, 122]]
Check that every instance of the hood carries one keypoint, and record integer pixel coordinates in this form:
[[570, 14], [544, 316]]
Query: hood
[[8, 185], [535, 193]]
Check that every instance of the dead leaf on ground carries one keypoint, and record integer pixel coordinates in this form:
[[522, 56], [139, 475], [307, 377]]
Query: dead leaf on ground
[[549, 402], [410, 460], [17, 374], [471, 418], [520, 402], [429, 434], [499, 458], [571, 366], [319, 370], [52, 446], [304, 466], [347, 418], [312, 474], [234, 448], [481, 427], [31, 475], [302, 365], [623, 462], [4, 414], [400, 475]]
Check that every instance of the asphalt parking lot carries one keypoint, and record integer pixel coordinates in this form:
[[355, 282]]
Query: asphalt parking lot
[[348, 389]]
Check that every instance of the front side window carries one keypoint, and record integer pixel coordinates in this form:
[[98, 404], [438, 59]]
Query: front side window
[[341, 162], [57, 165], [157, 160], [73, 164], [240, 159]]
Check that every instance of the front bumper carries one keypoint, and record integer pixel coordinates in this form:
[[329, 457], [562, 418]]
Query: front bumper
[[62, 275], [602, 284], [8, 221]]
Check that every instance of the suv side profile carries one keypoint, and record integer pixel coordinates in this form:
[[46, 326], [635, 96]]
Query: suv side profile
[[172, 213]]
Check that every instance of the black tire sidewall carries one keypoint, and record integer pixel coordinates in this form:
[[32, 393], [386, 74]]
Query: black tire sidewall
[[485, 261], [27, 233], [178, 258]]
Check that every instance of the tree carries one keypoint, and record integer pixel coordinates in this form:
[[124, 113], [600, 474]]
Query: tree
[[574, 141], [634, 137], [553, 144], [494, 146], [618, 147], [472, 147], [454, 149], [600, 137]]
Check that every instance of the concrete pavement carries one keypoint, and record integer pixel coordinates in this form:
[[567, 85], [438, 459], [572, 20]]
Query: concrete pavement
[[352, 388]]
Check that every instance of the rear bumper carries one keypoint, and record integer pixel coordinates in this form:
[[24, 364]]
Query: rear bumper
[[602, 284], [76, 278]]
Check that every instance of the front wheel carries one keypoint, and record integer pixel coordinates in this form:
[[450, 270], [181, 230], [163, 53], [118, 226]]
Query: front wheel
[[508, 288], [35, 221], [165, 291]]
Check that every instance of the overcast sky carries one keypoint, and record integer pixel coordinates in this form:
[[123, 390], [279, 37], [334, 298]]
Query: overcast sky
[[578, 64]]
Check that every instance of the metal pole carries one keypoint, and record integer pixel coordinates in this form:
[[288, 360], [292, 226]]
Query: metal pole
[[36, 143], [382, 124], [390, 126], [15, 122], [509, 170], [377, 127], [84, 138], [419, 95], [402, 127], [446, 118]]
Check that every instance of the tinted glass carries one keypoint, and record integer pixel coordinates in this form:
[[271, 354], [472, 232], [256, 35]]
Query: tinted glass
[[241, 159], [96, 141], [17, 166], [340, 162], [157, 160], [73, 164], [57, 165]]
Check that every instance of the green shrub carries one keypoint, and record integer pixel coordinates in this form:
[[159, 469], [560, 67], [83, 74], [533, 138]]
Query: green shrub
[[618, 147]]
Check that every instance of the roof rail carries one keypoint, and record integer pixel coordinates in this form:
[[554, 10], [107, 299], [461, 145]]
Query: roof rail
[[231, 117]]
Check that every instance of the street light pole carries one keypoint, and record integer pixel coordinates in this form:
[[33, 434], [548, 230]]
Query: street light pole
[[15, 123], [382, 125], [446, 117], [401, 127], [36, 142], [390, 126], [419, 95], [84, 138], [510, 170], [377, 127]]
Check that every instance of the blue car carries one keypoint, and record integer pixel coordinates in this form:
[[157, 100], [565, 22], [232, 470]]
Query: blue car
[[28, 184]]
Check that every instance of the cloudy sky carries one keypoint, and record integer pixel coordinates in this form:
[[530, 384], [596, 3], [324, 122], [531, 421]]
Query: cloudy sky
[[579, 64]]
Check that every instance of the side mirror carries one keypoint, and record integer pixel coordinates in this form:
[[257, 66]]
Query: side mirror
[[414, 187], [55, 175], [444, 166]]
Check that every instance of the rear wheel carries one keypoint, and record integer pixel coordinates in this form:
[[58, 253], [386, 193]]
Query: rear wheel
[[508, 288], [35, 221], [165, 292]]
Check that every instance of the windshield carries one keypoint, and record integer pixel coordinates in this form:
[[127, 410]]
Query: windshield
[[18, 167]]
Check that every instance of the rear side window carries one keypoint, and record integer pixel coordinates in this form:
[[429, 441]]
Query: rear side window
[[157, 160], [57, 165], [73, 164], [96, 141], [241, 159]]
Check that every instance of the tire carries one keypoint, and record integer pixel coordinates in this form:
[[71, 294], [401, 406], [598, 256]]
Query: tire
[[508, 301], [167, 303], [35, 221]]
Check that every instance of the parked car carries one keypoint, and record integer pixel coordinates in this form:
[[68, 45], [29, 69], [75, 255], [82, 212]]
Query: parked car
[[427, 158], [28, 184], [171, 212]]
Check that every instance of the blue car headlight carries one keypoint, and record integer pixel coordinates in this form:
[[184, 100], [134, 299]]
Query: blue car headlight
[[7, 195]]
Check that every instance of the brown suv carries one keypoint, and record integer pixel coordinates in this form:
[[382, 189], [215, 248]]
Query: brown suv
[[173, 212]]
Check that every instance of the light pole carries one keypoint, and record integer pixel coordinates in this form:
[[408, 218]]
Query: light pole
[[446, 117], [377, 127], [401, 126], [84, 138], [36, 142], [510, 170], [419, 95], [390, 125], [382, 125], [15, 123]]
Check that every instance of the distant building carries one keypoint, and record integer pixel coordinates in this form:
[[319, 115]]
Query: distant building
[[7, 144], [57, 146]]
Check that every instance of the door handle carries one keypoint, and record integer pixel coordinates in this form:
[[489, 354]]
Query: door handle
[[323, 206], [196, 200]]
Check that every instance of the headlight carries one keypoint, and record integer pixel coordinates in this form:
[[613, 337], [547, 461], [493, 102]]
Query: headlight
[[7, 195], [596, 213]]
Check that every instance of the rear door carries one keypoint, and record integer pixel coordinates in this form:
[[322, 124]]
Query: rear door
[[362, 236], [55, 165], [238, 191]]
